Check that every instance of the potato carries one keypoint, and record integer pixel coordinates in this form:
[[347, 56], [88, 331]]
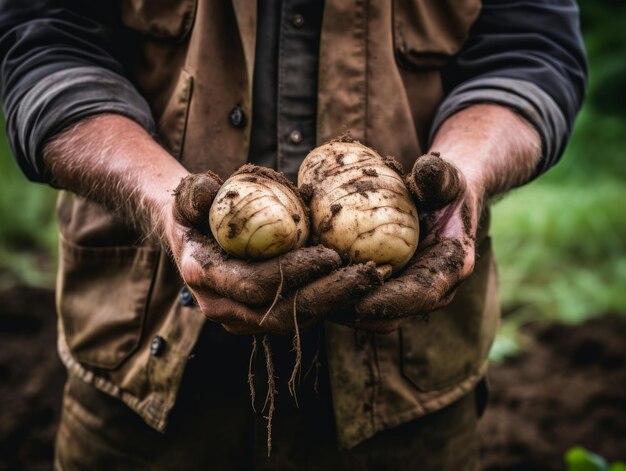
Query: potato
[[258, 214], [359, 203]]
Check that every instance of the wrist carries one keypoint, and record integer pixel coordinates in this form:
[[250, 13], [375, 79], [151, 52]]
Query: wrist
[[493, 147], [115, 162]]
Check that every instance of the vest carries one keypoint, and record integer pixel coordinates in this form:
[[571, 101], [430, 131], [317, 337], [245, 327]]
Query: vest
[[379, 77]]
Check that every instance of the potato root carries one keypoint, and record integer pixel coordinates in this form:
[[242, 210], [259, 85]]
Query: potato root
[[359, 203], [258, 214]]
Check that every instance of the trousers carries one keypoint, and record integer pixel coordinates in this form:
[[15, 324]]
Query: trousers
[[214, 426]]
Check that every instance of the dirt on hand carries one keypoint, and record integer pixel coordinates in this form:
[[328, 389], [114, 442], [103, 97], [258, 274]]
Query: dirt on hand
[[194, 196], [434, 182]]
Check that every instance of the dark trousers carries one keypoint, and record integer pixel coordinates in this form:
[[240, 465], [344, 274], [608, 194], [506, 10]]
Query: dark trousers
[[214, 427]]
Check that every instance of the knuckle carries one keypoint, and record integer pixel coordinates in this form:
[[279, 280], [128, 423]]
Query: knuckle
[[468, 268], [190, 270], [251, 292], [212, 314], [215, 311], [238, 329]]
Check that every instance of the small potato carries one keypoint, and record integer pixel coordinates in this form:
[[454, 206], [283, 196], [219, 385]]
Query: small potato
[[359, 204], [258, 214]]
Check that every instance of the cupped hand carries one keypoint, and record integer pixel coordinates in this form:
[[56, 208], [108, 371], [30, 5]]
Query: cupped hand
[[449, 210], [256, 296]]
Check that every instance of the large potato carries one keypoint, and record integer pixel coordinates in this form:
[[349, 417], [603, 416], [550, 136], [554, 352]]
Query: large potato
[[359, 204], [257, 214]]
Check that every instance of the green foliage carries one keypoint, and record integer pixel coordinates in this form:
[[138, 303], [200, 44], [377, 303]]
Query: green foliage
[[561, 250], [561, 240], [579, 459], [27, 227]]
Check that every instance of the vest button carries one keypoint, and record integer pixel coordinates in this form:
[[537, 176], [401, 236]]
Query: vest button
[[185, 298], [297, 20], [157, 346], [237, 117], [295, 137]]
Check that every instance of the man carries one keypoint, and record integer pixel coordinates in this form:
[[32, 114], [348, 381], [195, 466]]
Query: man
[[118, 104]]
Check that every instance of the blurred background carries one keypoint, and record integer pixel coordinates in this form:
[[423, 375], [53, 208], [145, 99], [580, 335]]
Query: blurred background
[[558, 381]]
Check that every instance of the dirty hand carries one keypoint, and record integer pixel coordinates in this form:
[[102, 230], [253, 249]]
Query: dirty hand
[[256, 296], [448, 210]]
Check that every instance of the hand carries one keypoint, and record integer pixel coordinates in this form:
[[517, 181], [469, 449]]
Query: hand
[[306, 283], [448, 209]]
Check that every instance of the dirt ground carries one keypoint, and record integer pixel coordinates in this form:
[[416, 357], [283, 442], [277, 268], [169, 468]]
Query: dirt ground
[[569, 389], [31, 379]]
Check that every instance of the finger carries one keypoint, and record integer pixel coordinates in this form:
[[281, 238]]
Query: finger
[[428, 284], [434, 182], [339, 290], [259, 283], [194, 197], [306, 306], [237, 318], [253, 283]]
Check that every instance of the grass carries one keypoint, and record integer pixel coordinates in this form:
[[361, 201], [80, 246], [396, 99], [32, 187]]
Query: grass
[[561, 240], [27, 230]]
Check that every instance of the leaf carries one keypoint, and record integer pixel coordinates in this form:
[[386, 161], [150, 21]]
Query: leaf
[[579, 459]]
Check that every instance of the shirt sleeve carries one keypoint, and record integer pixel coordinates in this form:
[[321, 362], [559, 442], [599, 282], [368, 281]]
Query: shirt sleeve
[[528, 56], [57, 67]]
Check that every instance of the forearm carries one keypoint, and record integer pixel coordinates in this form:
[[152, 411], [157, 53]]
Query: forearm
[[61, 62], [115, 162], [495, 148], [528, 57]]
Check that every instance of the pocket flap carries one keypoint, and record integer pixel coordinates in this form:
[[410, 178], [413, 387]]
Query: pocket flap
[[428, 32]]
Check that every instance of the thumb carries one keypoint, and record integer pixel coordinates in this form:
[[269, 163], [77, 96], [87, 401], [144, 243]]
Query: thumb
[[194, 197], [434, 182]]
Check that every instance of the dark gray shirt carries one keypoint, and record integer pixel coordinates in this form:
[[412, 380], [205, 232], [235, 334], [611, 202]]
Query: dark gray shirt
[[285, 83]]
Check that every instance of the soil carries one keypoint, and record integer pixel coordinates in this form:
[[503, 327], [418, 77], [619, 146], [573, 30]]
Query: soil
[[194, 196], [31, 379], [567, 389], [435, 182], [266, 173]]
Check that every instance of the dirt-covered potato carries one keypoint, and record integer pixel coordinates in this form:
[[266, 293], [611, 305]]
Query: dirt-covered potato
[[258, 214], [359, 203]]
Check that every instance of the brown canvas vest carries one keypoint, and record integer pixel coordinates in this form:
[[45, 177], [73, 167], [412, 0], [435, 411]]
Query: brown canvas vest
[[379, 77]]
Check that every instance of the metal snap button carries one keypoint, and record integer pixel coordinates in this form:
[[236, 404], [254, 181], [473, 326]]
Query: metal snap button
[[297, 20], [185, 298], [295, 136], [237, 117], [157, 346]]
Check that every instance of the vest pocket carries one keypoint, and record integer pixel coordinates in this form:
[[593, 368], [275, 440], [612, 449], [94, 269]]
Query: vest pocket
[[160, 19], [102, 297], [427, 33], [454, 343]]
